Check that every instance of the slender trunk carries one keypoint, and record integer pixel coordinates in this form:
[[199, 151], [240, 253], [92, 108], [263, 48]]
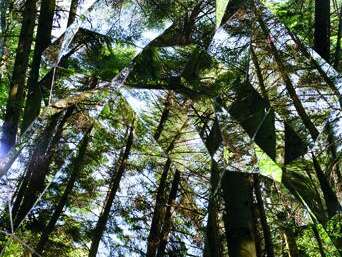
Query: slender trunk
[[76, 167], [319, 240], [43, 39], [338, 42], [259, 76], [335, 167], [237, 191], [72, 12], [331, 201], [212, 246], [264, 224], [168, 214], [164, 117], [322, 29], [289, 86], [3, 25], [17, 84], [291, 244], [102, 221], [38, 167], [158, 214]]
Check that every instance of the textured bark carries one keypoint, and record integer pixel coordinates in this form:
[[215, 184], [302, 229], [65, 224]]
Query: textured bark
[[212, 246], [264, 224], [38, 167], [322, 28], [168, 214], [17, 83], [114, 186], [158, 213], [43, 39], [76, 167], [237, 191]]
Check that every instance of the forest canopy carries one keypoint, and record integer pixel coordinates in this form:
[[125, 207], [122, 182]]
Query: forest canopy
[[170, 128]]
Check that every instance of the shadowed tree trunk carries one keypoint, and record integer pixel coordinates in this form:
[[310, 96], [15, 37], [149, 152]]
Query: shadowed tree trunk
[[338, 42], [17, 83], [76, 167], [290, 240], [213, 246], [114, 186], [168, 214], [38, 167], [318, 240], [237, 191], [322, 29], [158, 213], [72, 12], [264, 224], [331, 201], [43, 39]]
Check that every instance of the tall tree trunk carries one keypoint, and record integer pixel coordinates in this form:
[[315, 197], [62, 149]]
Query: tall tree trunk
[[114, 186], [318, 240], [237, 191], [38, 167], [76, 167], [331, 201], [3, 26], [322, 29], [72, 12], [158, 213], [338, 42], [335, 166], [43, 39], [264, 224], [17, 84], [168, 214], [212, 247], [291, 244]]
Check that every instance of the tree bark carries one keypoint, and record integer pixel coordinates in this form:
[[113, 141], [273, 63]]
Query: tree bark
[[237, 191], [43, 39], [291, 244], [76, 167], [338, 42], [264, 224], [114, 186], [168, 214], [158, 213], [72, 12], [212, 247], [331, 201], [17, 83], [322, 29], [318, 240], [38, 167]]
